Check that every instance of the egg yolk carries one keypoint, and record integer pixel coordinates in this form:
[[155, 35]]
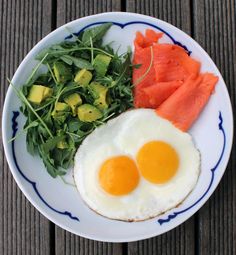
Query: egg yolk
[[119, 175], [157, 161]]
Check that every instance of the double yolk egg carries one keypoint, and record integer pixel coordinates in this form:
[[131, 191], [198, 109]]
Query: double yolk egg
[[157, 162], [136, 166]]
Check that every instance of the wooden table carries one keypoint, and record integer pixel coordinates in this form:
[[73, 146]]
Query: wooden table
[[23, 230]]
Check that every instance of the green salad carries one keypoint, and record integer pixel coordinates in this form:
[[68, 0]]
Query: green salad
[[86, 84]]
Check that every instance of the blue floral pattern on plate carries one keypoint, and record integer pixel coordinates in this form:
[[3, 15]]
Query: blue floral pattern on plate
[[34, 185], [175, 214]]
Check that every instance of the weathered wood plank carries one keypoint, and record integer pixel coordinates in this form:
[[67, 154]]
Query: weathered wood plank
[[180, 240], [66, 243], [175, 12], [214, 28], [72, 9], [23, 230]]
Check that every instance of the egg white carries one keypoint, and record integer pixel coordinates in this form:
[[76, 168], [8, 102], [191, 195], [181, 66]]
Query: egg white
[[125, 135]]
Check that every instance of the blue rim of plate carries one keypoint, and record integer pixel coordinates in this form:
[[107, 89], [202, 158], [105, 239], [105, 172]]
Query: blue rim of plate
[[161, 221]]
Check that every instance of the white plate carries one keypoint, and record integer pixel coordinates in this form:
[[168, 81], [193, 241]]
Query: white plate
[[61, 203]]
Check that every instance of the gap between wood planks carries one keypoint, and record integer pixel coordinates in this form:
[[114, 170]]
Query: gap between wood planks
[[196, 216], [52, 225]]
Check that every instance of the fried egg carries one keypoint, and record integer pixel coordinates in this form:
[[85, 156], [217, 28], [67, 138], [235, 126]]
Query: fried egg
[[136, 166]]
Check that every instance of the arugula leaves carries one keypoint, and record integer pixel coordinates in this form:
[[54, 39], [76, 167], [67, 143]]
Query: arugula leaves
[[78, 62], [95, 33], [55, 138]]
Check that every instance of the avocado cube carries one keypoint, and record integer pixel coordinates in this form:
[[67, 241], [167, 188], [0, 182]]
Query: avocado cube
[[88, 113], [38, 93], [101, 63], [47, 92], [59, 109], [100, 94], [83, 77], [73, 101], [62, 72], [62, 145]]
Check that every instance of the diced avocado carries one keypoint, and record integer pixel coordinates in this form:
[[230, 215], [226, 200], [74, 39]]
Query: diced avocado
[[60, 108], [88, 113], [47, 92], [101, 103], [62, 145], [38, 93], [73, 101], [83, 77], [101, 63], [100, 94], [62, 72]]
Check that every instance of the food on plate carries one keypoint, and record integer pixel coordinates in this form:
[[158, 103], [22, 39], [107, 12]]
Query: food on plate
[[88, 113], [73, 100], [38, 93], [62, 72], [168, 66], [86, 84], [157, 93], [83, 77], [101, 63], [136, 166], [100, 93], [183, 107], [144, 161], [150, 37], [130, 164]]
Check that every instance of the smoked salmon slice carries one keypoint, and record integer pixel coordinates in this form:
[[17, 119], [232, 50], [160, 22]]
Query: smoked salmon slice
[[171, 59], [183, 107], [169, 80], [143, 57], [164, 63], [150, 37], [159, 92]]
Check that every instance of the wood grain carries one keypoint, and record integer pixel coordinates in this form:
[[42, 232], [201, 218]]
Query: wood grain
[[65, 242], [178, 241], [23, 230], [214, 28], [73, 9], [181, 239], [175, 12]]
